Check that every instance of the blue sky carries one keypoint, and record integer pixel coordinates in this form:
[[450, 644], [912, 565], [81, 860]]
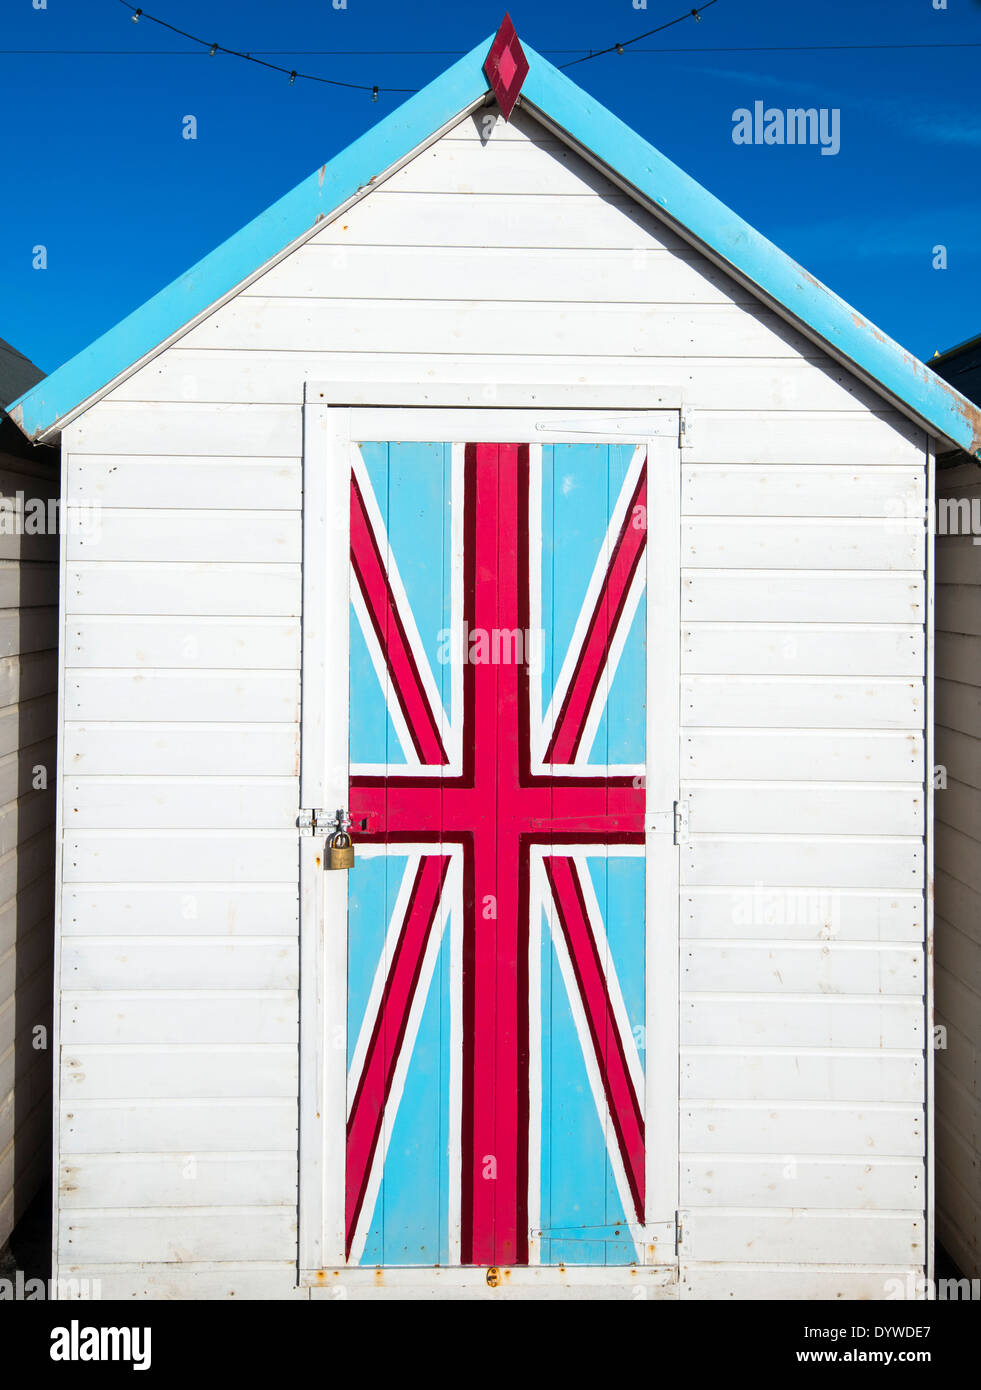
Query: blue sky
[[97, 170]]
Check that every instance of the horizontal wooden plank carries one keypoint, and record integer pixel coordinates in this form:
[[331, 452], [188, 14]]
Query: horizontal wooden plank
[[958, 656], [958, 706], [804, 808], [141, 1279], [155, 909], [881, 439], [816, 702], [21, 820], [956, 1006], [876, 1185], [495, 324], [152, 856], [28, 630], [23, 771], [94, 1072], [26, 676], [809, 490], [875, 1130], [211, 1124], [500, 167], [875, 755], [27, 585], [235, 1234], [796, 861], [132, 480], [210, 750], [177, 1180], [188, 1017], [782, 1074], [793, 913], [956, 854], [958, 904], [656, 275], [270, 378], [800, 1283], [195, 695], [958, 560], [183, 643], [809, 1237], [801, 968], [174, 589], [959, 952], [960, 806], [772, 1021], [802, 649], [233, 431], [959, 754], [27, 723], [152, 534], [133, 963], [958, 609], [819, 543], [801, 596], [180, 803]]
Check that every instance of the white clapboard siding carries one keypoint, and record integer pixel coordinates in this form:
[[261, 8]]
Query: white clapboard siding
[[169, 802], [795, 490], [169, 534], [155, 909], [175, 1016], [958, 705], [876, 1185], [113, 480], [829, 967], [818, 543], [846, 1283], [780, 1074], [270, 378], [802, 742], [235, 590], [196, 695], [805, 1020], [957, 609], [230, 1234], [146, 1126], [807, 1237], [184, 749], [762, 912], [792, 860], [178, 1180], [263, 643], [153, 856], [827, 1127], [804, 649], [198, 962], [817, 702], [97, 1072], [808, 596], [958, 655], [803, 807], [806, 754]]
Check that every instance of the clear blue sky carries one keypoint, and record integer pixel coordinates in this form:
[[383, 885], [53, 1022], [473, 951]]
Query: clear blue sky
[[97, 171]]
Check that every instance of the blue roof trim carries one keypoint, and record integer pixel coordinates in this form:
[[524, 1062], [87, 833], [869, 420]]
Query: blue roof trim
[[571, 109]]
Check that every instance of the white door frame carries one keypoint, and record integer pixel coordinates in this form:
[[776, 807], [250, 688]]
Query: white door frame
[[518, 411]]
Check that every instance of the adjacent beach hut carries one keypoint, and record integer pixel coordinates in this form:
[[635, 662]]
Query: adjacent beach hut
[[958, 898], [29, 478], [503, 489]]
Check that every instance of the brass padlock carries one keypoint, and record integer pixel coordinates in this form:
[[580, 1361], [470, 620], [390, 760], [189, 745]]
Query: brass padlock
[[340, 848]]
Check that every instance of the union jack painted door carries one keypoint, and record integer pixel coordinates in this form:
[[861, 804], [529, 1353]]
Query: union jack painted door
[[501, 961]]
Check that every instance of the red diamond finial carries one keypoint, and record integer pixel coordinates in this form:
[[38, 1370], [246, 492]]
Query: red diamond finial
[[506, 67]]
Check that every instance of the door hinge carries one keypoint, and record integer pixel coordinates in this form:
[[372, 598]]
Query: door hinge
[[680, 1232], [684, 428], [681, 822]]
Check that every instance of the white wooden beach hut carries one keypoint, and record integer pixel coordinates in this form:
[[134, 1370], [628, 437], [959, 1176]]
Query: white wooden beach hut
[[500, 487]]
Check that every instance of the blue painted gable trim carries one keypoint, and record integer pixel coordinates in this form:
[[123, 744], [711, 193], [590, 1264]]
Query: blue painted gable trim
[[571, 109]]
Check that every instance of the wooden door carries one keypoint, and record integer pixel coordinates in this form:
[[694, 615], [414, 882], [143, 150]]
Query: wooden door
[[510, 923]]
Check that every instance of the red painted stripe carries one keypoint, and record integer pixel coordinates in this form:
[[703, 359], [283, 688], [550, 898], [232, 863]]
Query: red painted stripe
[[372, 578], [388, 1033], [622, 1101], [603, 623]]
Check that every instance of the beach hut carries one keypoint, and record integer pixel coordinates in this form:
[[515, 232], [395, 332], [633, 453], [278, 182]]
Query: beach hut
[[502, 494], [958, 819], [29, 478]]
